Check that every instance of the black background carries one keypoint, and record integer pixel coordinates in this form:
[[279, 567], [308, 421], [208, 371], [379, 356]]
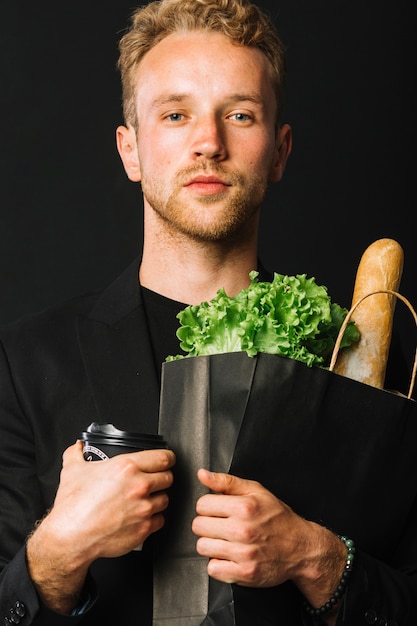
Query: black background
[[70, 220]]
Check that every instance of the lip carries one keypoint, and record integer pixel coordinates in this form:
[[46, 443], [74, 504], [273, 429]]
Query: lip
[[206, 180], [208, 185]]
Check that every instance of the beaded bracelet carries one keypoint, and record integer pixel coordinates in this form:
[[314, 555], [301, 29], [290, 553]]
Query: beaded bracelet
[[341, 587]]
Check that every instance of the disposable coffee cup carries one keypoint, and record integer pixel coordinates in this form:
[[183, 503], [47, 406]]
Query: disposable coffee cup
[[103, 441]]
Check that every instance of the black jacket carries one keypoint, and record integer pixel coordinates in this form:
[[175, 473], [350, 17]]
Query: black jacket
[[90, 360]]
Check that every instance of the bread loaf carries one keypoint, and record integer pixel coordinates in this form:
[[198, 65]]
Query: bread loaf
[[380, 268]]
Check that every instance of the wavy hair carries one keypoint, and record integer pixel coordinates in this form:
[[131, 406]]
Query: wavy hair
[[240, 20]]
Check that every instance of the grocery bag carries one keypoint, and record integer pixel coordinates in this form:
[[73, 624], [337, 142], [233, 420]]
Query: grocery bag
[[339, 452]]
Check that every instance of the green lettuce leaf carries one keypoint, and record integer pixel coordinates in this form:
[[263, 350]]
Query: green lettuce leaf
[[291, 316]]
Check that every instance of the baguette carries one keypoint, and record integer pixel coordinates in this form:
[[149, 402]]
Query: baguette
[[380, 268]]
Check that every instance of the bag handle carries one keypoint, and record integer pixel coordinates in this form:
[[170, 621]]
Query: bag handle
[[347, 320]]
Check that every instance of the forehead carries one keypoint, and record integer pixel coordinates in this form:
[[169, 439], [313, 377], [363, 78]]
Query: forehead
[[203, 63]]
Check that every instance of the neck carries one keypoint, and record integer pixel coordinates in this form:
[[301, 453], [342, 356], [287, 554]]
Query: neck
[[192, 271]]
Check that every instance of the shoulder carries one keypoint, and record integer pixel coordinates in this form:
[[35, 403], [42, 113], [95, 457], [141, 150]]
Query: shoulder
[[106, 305], [50, 318]]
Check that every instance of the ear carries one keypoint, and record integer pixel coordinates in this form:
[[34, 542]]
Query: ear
[[283, 149], [127, 148]]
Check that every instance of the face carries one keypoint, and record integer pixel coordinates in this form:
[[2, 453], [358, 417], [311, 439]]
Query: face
[[206, 145]]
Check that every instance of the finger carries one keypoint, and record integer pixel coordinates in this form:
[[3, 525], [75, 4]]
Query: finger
[[153, 460], [216, 528], [147, 474], [150, 470], [148, 461], [74, 453], [227, 483], [217, 505], [225, 571], [220, 549]]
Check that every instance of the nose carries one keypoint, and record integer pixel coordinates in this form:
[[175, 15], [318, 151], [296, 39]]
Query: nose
[[208, 139]]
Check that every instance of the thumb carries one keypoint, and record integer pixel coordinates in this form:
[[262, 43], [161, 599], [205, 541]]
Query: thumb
[[225, 483], [74, 453]]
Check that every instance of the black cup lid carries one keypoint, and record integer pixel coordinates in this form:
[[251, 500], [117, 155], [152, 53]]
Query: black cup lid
[[109, 434]]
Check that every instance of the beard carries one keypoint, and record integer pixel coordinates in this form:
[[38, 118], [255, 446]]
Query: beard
[[211, 218]]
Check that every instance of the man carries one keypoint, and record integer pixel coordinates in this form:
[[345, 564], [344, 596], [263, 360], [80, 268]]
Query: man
[[202, 87]]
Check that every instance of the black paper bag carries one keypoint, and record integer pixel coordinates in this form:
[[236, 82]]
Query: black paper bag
[[334, 449]]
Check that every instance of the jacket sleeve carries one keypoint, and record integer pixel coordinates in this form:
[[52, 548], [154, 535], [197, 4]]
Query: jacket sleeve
[[384, 592], [379, 594], [20, 603], [18, 598], [21, 505]]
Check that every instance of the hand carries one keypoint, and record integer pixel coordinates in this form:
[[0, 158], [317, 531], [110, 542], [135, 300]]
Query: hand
[[254, 539], [247, 533], [102, 509], [111, 506]]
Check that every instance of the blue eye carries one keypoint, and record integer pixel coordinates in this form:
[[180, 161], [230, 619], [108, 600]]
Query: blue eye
[[241, 117], [175, 117]]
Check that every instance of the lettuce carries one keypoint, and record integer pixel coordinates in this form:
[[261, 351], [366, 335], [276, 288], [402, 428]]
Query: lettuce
[[291, 316]]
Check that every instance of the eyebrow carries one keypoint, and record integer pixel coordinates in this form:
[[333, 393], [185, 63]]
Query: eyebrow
[[174, 97], [242, 97], [180, 97]]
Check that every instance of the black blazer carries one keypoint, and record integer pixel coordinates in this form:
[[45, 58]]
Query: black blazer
[[90, 360]]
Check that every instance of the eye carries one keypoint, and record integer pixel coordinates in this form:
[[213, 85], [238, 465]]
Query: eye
[[241, 117], [175, 117]]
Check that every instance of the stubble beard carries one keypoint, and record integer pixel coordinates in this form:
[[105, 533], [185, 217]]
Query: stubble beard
[[212, 218]]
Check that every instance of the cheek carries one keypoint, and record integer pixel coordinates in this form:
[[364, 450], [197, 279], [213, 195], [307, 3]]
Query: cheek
[[261, 156], [157, 152]]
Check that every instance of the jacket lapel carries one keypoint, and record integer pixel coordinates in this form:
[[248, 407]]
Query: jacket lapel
[[117, 354], [118, 359]]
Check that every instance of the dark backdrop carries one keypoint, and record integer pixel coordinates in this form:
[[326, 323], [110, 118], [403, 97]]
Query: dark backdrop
[[71, 220]]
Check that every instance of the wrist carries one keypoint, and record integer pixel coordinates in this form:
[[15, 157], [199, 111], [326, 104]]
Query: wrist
[[333, 600], [322, 565], [56, 576]]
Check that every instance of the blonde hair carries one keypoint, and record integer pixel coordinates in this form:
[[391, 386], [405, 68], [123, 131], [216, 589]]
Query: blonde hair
[[241, 21]]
